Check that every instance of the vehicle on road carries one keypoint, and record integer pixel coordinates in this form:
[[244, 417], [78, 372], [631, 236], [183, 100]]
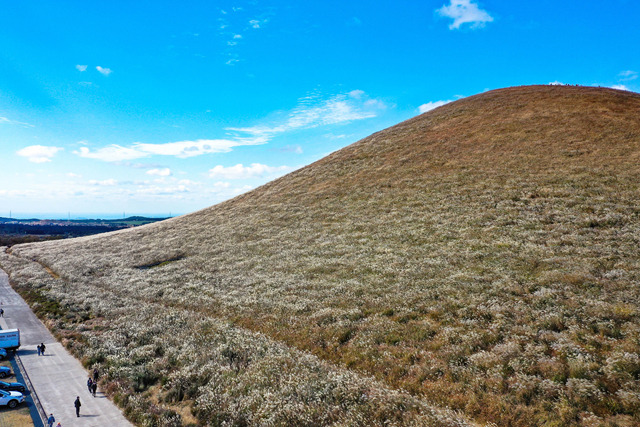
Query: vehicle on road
[[12, 386], [4, 371], [10, 339], [11, 398], [3, 354]]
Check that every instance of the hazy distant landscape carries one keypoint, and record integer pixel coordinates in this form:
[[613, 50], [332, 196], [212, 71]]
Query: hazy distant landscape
[[476, 264], [14, 231]]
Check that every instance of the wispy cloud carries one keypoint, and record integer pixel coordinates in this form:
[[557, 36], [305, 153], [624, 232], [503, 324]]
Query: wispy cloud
[[38, 153], [159, 172], [432, 105], [464, 12], [104, 71], [7, 121], [291, 149], [104, 183], [81, 68], [312, 112], [256, 170], [627, 75]]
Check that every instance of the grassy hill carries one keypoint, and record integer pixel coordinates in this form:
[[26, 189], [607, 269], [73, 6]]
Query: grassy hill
[[483, 257]]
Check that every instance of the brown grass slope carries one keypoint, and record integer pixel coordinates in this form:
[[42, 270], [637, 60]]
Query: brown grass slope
[[482, 256]]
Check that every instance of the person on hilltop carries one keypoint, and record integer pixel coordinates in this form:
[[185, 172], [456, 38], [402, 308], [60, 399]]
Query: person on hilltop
[[77, 404], [51, 420]]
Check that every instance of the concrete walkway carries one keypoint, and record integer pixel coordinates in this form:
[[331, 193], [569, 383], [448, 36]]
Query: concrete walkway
[[57, 377]]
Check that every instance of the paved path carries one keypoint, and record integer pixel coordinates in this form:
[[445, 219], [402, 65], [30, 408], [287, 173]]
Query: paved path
[[57, 377]]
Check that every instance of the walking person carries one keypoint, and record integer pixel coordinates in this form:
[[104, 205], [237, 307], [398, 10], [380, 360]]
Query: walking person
[[1, 312], [89, 384], [96, 375], [42, 348], [39, 350], [77, 404], [94, 387], [51, 420]]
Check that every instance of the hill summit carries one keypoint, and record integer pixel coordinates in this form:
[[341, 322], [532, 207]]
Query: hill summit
[[482, 257]]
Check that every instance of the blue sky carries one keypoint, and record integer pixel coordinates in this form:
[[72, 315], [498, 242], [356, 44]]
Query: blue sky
[[157, 107]]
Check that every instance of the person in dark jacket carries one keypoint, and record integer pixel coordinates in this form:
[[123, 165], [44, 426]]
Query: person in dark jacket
[[94, 387], [77, 404]]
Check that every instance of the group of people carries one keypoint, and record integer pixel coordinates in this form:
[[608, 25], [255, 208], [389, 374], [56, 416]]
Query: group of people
[[92, 385], [41, 349]]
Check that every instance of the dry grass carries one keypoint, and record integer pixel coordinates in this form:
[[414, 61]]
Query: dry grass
[[19, 416], [482, 257]]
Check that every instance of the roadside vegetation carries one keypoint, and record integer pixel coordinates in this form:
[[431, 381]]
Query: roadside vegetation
[[482, 257]]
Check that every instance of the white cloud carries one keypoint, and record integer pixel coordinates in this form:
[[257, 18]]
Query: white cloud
[[104, 183], [185, 149], [159, 172], [181, 149], [432, 105], [256, 170], [111, 153], [104, 71], [73, 175], [464, 12], [254, 23], [627, 75], [237, 36], [556, 83], [38, 153], [81, 68], [620, 87]]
